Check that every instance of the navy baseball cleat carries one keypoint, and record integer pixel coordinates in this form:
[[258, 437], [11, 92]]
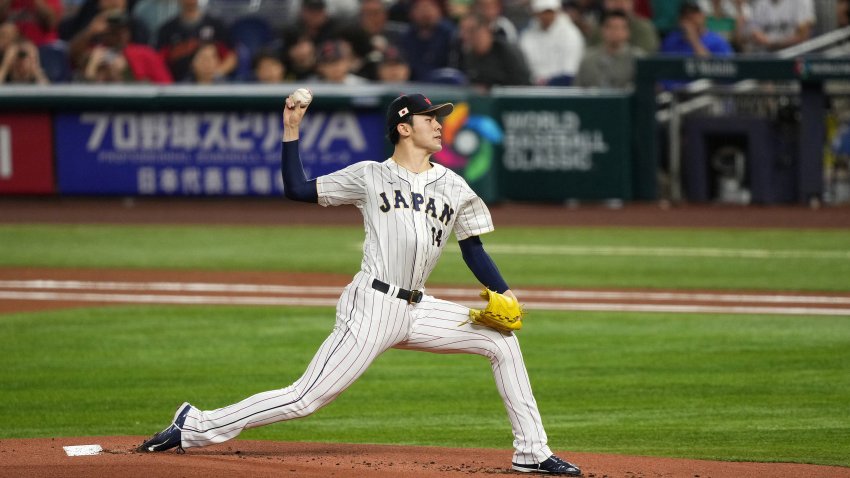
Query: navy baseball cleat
[[170, 437], [553, 466]]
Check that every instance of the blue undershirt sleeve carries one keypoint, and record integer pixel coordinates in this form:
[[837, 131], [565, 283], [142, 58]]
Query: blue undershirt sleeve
[[481, 264], [296, 186]]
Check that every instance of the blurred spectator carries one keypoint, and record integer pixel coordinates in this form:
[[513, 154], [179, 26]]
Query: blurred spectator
[[105, 66], [428, 40], [300, 59], [727, 18], [20, 64], [115, 59], [399, 10], [90, 16], [778, 24], [393, 68], [552, 45], [55, 62], [491, 10], [585, 14], [643, 9], [665, 15], [374, 20], [610, 64], [37, 20], [206, 66], [334, 64], [250, 34], [8, 35], [825, 20], [518, 12], [457, 9], [842, 13], [180, 37], [268, 68], [486, 59], [70, 8], [371, 35], [340, 10], [278, 13], [642, 31], [314, 23], [155, 13], [693, 38]]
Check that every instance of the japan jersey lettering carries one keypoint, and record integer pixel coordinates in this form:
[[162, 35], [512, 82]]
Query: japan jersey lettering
[[407, 216]]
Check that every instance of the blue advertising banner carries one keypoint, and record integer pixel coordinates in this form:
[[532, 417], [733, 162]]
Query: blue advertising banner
[[203, 153]]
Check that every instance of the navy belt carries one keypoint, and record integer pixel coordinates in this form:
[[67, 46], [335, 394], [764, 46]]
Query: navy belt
[[409, 296]]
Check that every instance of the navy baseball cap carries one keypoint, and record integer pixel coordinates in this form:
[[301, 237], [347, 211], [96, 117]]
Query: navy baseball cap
[[414, 104]]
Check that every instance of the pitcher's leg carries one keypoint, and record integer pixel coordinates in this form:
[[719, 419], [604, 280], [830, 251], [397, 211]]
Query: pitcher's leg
[[436, 329], [306, 395], [361, 334]]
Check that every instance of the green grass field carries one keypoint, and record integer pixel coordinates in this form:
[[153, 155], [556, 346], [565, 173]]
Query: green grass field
[[763, 388], [784, 259]]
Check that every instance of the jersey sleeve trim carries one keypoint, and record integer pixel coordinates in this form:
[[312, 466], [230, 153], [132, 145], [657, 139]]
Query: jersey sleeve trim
[[324, 201], [465, 234], [473, 217]]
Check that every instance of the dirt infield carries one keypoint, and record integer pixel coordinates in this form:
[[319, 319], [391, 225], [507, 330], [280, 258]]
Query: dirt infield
[[31, 289], [59, 288], [46, 457]]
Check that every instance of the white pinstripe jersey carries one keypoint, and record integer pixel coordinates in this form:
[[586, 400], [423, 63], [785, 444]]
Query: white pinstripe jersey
[[407, 216]]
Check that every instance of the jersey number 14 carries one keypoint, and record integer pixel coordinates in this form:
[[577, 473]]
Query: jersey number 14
[[436, 236]]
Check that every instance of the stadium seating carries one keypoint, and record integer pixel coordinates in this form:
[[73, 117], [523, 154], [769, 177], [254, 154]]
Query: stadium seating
[[277, 13], [55, 61], [249, 34]]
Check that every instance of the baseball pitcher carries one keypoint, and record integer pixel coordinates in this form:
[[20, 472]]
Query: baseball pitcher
[[410, 206]]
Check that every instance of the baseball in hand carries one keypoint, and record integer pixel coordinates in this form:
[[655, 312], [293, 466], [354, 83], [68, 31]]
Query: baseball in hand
[[302, 96]]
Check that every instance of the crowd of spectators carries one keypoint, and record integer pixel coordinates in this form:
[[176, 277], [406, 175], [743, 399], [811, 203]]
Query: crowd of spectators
[[481, 43]]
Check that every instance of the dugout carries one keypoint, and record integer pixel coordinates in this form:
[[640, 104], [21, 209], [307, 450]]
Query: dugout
[[783, 154], [738, 144]]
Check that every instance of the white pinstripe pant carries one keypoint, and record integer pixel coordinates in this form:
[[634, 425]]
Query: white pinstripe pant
[[368, 323]]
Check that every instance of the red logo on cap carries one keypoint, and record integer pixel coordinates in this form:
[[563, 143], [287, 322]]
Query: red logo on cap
[[427, 100]]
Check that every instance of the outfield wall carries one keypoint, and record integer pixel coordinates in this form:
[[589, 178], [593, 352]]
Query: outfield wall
[[518, 144]]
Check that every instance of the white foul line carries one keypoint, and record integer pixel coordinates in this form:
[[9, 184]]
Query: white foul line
[[328, 302], [685, 296], [713, 252], [168, 286], [689, 309], [165, 299], [438, 291]]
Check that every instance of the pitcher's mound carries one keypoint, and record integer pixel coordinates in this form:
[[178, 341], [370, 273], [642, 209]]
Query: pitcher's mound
[[42, 457]]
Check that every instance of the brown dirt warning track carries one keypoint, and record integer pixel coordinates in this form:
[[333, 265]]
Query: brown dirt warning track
[[277, 212], [29, 289]]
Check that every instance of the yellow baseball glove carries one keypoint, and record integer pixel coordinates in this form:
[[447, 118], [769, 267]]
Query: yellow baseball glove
[[502, 313]]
